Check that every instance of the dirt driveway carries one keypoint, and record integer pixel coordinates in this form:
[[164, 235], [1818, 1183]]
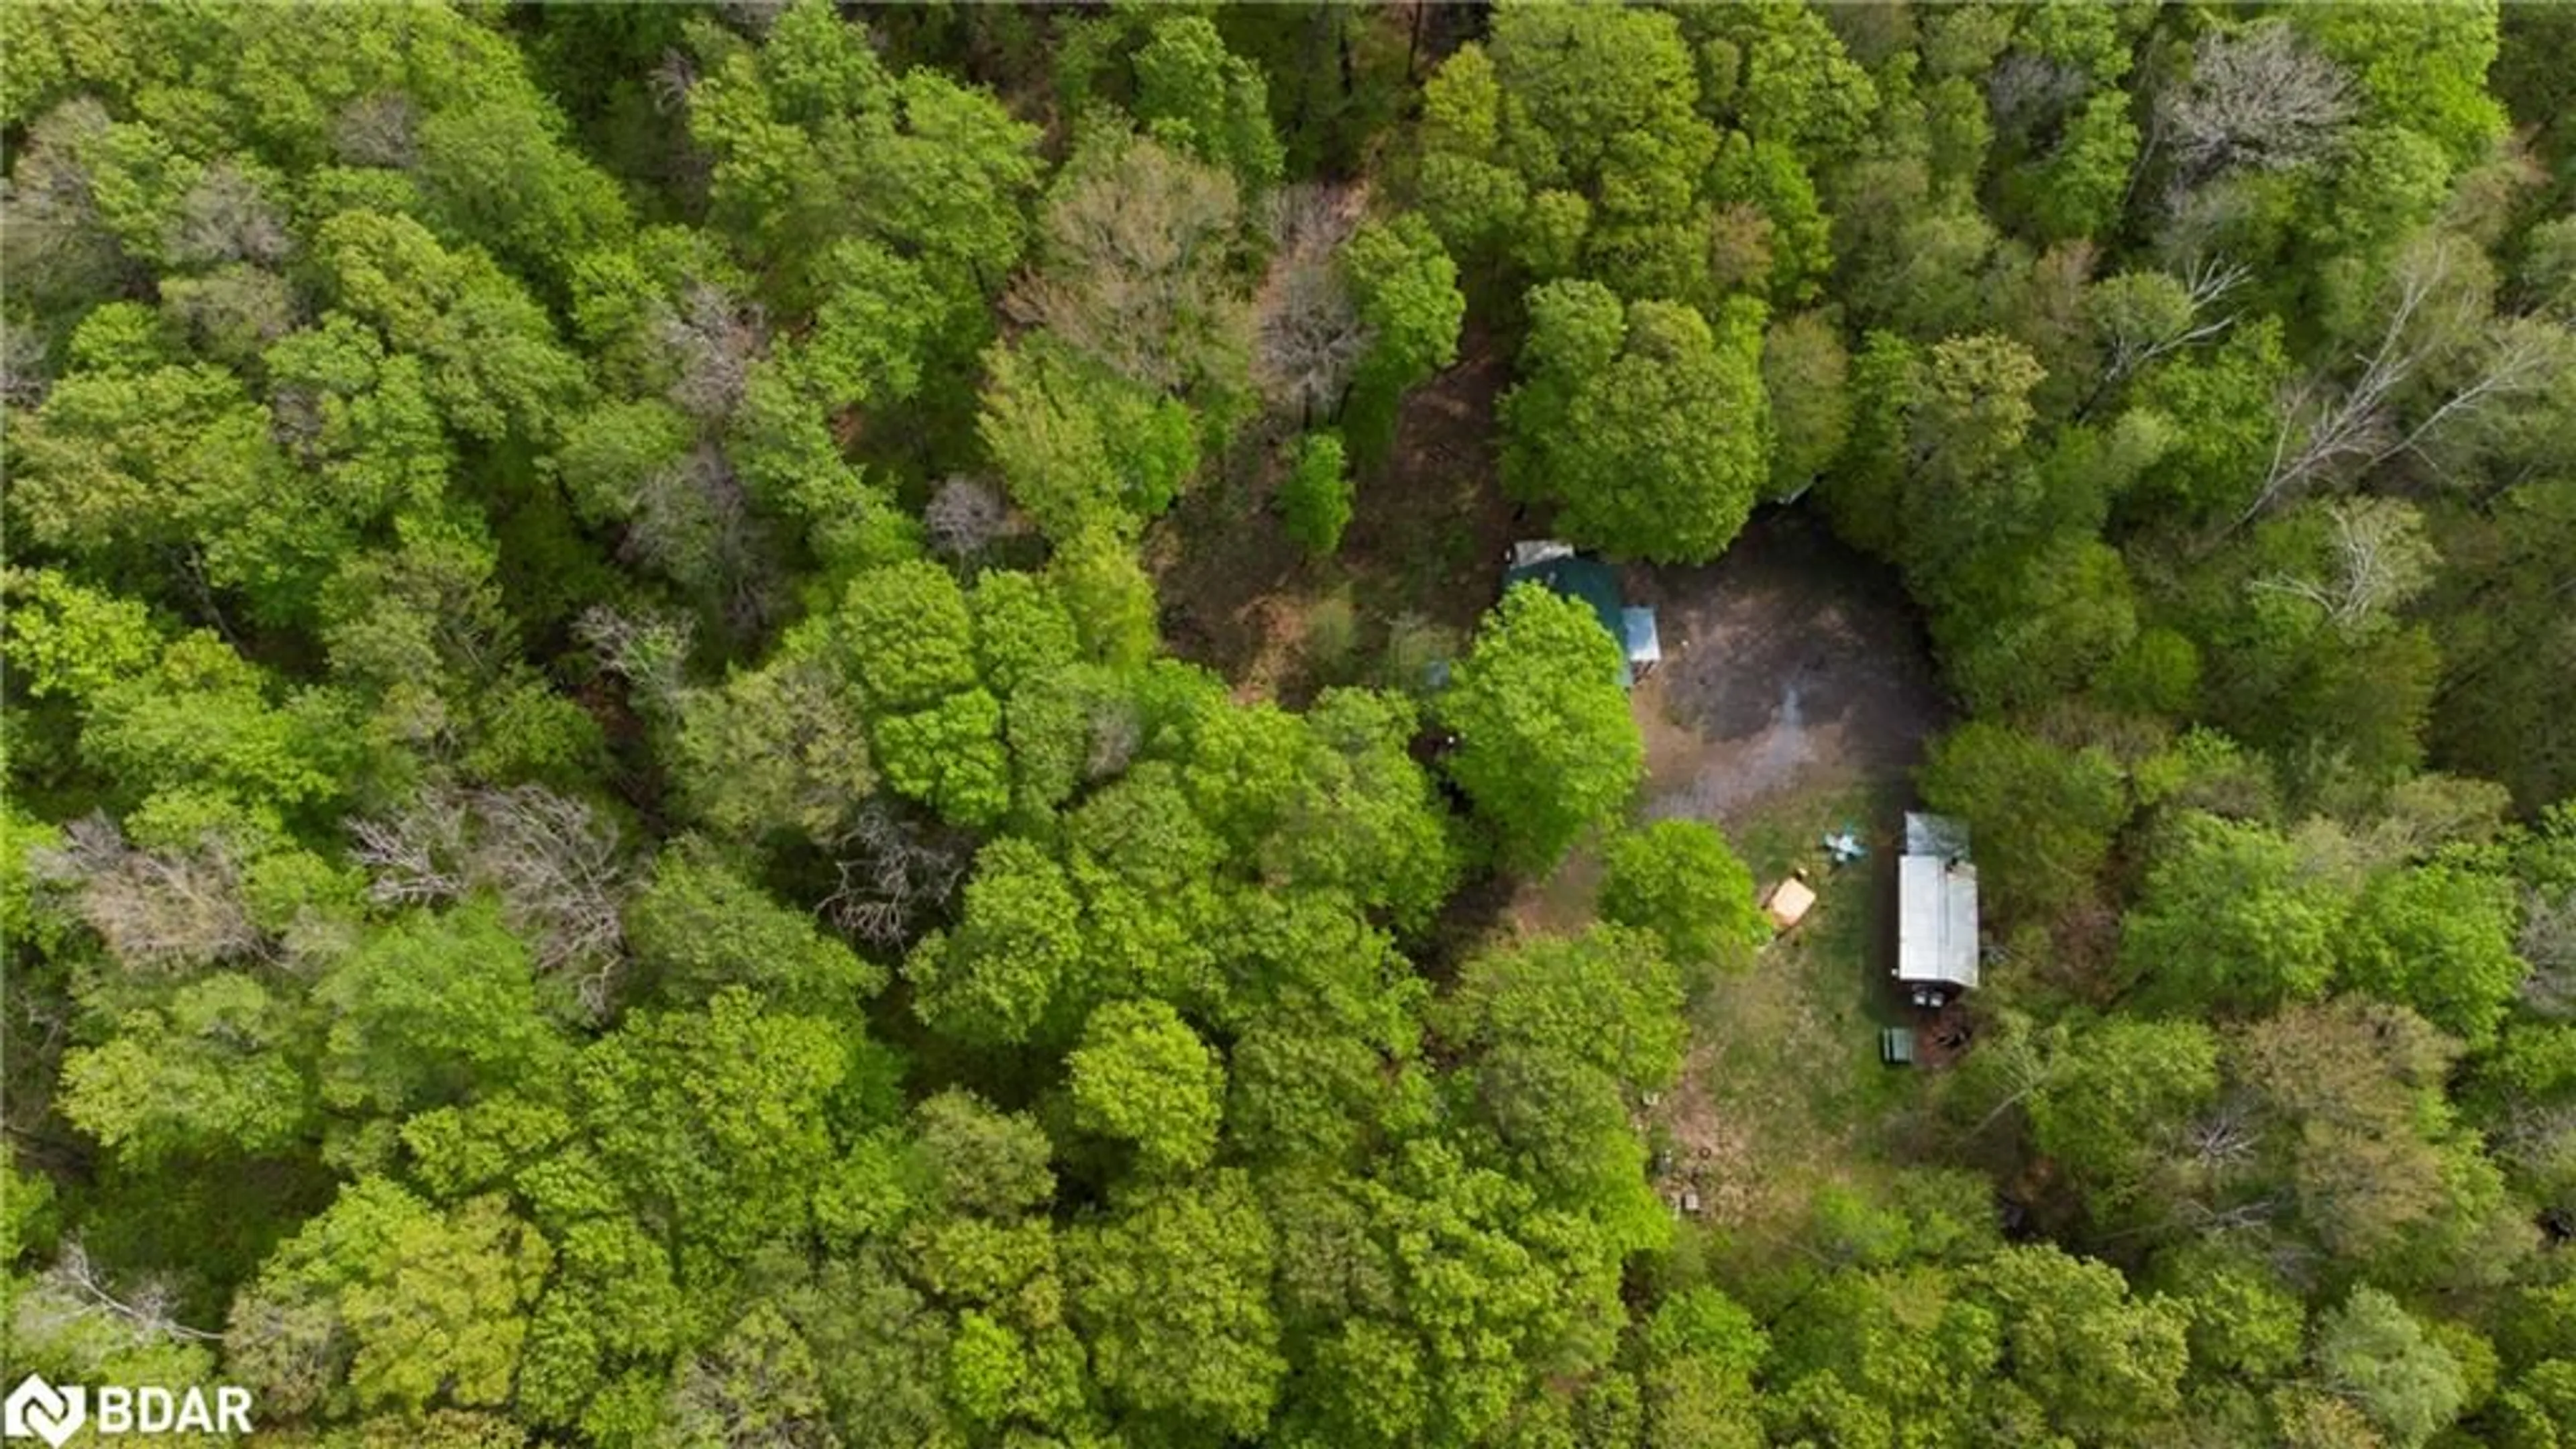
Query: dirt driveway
[[1791, 665]]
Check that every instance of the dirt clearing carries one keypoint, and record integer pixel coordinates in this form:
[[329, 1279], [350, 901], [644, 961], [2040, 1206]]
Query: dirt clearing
[[1791, 664]]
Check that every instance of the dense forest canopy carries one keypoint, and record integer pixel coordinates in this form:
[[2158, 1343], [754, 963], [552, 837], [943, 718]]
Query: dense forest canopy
[[617, 833]]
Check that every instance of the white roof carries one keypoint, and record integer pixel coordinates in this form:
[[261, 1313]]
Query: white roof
[[1936, 920], [1531, 551]]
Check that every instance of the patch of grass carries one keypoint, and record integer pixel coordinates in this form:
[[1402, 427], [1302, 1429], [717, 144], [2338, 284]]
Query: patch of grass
[[1785, 1093]]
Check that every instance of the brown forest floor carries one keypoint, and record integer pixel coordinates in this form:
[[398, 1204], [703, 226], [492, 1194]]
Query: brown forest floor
[[1427, 536]]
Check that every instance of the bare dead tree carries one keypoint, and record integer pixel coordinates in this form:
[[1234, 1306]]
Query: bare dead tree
[[2548, 942], [2325, 429], [555, 864], [2204, 285], [1307, 329], [562, 879], [2380, 558], [671, 81], [2329, 434], [1117, 732], [1133, 246], [965, 516], [2258, 98], [56, 239], [649, 651], [148, 1309], [419, 857], [24, 376], [157, 910], [693, 519], [225, 217], [2027, 89], [379, 130], [2225, 1137], [712, 341], [892, 873]]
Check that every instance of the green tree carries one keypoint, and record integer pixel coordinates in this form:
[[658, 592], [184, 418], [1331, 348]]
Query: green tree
[[1316, 496], [1546, 746], [2042, 818], [2376, 1353], [1405, 289], [1014, 955], [2441, 940], [1195, 95], [1171, 1293], [1651, 429], [1677, 880], [384, 1302], [2229, 920], [1141, 1075]]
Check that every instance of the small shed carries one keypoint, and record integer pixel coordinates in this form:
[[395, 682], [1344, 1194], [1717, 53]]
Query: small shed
[[1557, 567], [1896, 1046], [1789, 902], [1936, 911]]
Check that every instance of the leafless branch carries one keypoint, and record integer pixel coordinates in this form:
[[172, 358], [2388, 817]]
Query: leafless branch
[[157, 910], [2258, 97], [891, 873], [554, 863], [965, 516]]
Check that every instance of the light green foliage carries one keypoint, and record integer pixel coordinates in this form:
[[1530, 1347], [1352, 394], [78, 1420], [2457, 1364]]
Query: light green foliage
[[1362, 816], [2101, 1364], [1316, 495], [1141, 1075], [2117, 1097], [70, 642], [1194, 95], [949, 757], [1546, 747], [1021, 630], [1565, 1033], [1804, 379], [905, 635], [1016, 948], [1169, 1293], [2228, 920], [435, 1009], [775, 749], [217, 1074], [701, 927], [1109, 596], [413, 1305], [1677, 880], [1078, 448], [2440, 940], [717, 1121], [492, 361], [2370, 1349], [1405, 288], [1650, 428]]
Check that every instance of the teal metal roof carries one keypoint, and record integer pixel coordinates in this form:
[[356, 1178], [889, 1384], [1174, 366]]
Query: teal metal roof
[[1591, 581]]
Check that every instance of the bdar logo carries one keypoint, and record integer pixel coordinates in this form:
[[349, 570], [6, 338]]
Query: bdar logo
[[38, 1410]]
